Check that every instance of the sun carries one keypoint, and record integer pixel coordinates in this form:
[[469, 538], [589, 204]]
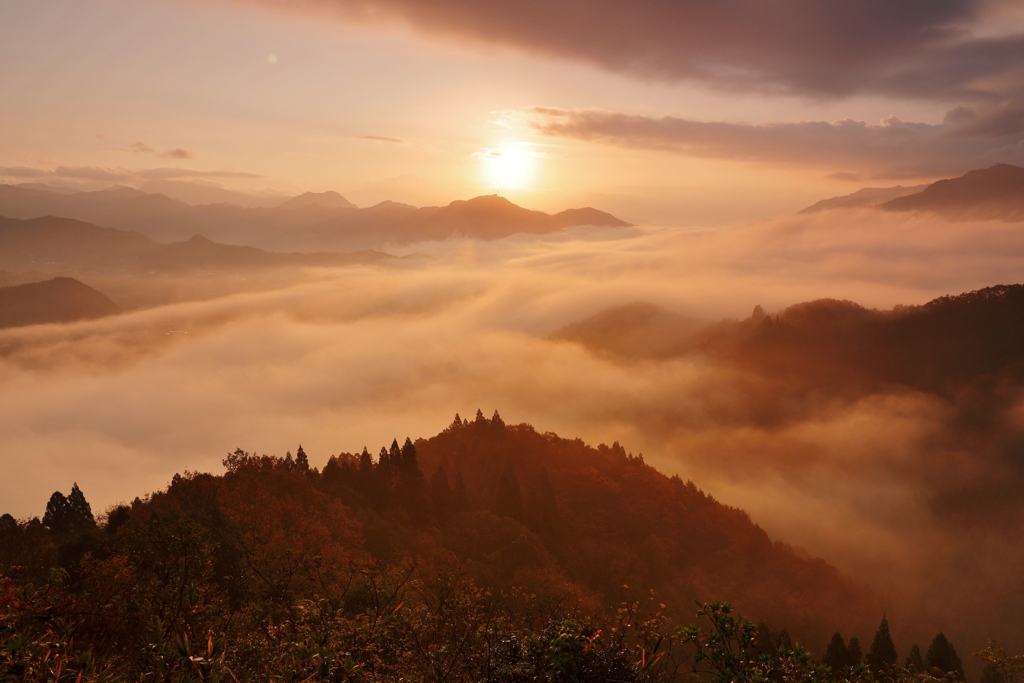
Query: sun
[[509, 167]]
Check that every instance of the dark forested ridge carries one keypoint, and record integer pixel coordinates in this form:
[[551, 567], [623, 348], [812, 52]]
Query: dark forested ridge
[[489, 552], [938, 346], [60, 300]]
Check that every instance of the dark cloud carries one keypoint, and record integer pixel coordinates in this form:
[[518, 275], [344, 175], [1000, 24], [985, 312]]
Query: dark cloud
[[925, 48], [893, 148], [141, 148]]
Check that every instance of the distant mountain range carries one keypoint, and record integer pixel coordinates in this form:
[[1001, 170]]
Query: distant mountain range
[[63, 245], [996, 192], [310, 222], [60, 300]]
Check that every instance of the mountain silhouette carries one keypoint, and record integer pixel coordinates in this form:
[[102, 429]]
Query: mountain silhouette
[[49, 243], [864, 197], [994, 192], [304, 225], [60, 300], [329, 200]]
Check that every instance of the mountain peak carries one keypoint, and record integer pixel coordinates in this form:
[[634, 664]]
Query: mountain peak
[[985, 193], [328, 200]]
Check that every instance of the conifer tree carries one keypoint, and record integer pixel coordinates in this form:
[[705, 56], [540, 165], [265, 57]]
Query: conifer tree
[[854, 653], [836, 655], [915, 662], [456, 423], [70, 515], [882, 655], [942, 655], [301, 461], [480, 419], [496, 421], [409, 466]]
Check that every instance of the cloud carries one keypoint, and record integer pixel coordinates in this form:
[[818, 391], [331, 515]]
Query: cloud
[[22, 172], [380, 138], [122, 175], [968, 138], [178, 153], [140, 148], [926, 48]]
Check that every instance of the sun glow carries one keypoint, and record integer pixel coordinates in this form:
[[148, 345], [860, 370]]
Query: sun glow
[[509, 167]]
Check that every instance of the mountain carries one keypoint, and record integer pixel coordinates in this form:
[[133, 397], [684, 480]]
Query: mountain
[[201, 253], [939, 346], [608, 519], [528, 519], [195, 194], [329, 199], [49, 243], [60, 300], [991, 193], [864, 197], [306, 225]]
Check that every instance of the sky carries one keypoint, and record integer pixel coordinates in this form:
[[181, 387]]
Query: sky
[[662, 112]]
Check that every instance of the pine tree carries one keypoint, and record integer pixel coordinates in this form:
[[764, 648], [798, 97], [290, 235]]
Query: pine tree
[[942, 655], [301, 461], [456, 423], [836, 655], [496, 421], [915, 662], [480, 419], [409, 466], [854, 653], [882, 655], [509, 501]]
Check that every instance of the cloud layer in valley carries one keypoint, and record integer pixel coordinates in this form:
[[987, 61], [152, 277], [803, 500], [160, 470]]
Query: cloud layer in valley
[[358, 356]]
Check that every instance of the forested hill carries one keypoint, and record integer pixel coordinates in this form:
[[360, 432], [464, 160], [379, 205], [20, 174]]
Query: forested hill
[[513, 511], [605, 519]]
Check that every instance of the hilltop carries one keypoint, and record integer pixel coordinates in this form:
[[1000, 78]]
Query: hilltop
[[60, 300]]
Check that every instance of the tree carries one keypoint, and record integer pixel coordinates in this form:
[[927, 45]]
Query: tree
[[496, 420], [942, 656], [408, 465], [854, 651], [836, 655], [998, 667], [301, 461], [915, 662], [69, 516], [882, 655]]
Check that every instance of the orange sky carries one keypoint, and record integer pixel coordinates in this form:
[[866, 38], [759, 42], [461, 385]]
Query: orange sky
[[662, 113]]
